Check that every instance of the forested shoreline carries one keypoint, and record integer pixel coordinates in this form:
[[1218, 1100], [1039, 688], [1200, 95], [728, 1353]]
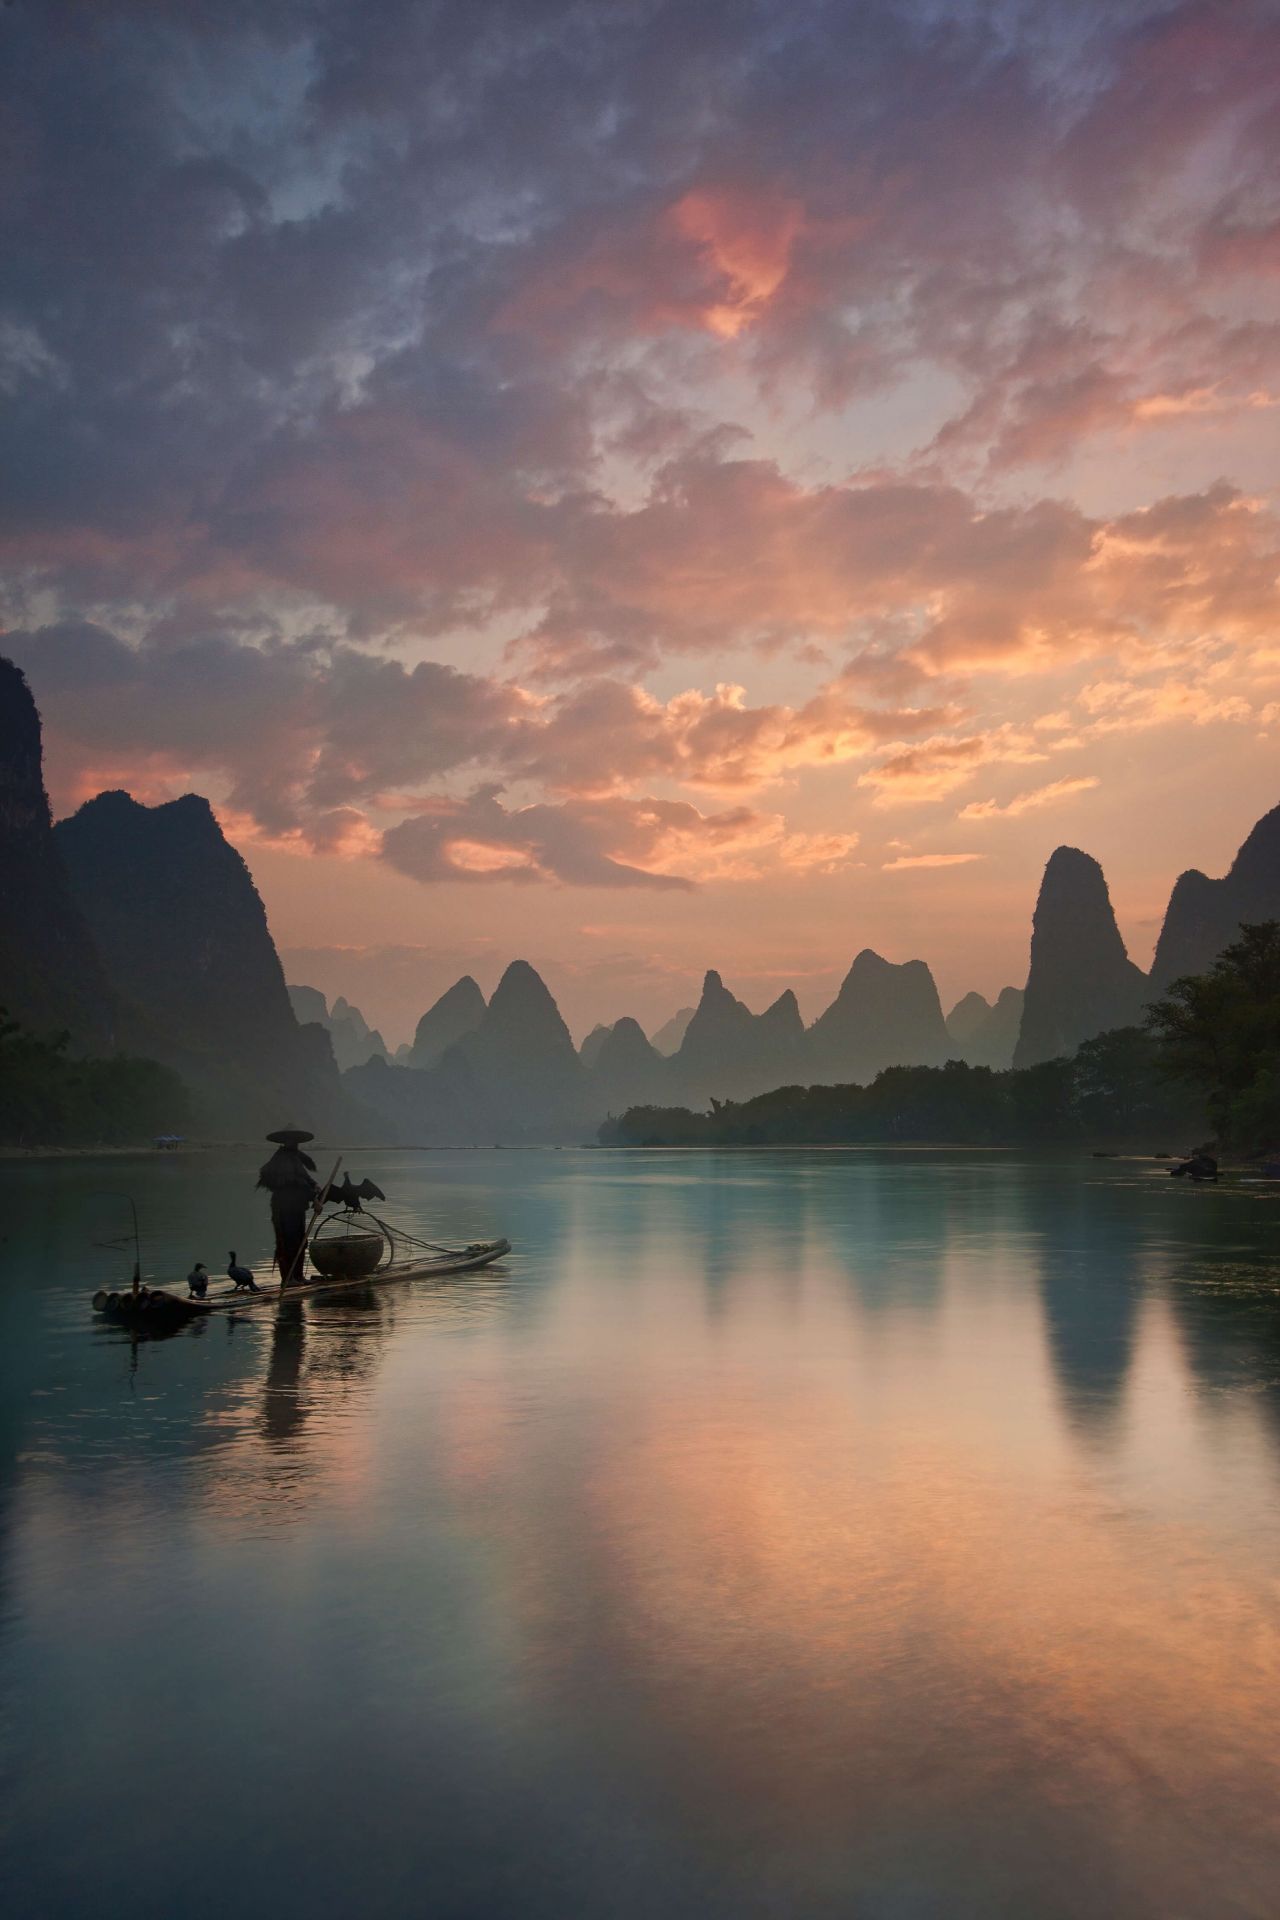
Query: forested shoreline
[[1110, 1092], [51, 1098]]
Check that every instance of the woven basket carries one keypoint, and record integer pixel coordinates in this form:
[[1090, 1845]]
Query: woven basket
[[347, 1255]]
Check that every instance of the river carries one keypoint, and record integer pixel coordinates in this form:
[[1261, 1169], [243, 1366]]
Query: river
[[889, 1536]]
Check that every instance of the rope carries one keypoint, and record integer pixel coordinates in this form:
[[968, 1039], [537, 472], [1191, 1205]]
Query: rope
[[428, 1246], [397, 1233]]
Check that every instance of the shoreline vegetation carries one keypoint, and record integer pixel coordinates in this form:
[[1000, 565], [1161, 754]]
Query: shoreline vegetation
[[1110, 1093], [54, 1100]]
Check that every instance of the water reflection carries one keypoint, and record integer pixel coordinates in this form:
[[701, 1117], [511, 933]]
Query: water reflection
[[283, 1412], [1092, 1266], [805, 1533], [1225, 1301]]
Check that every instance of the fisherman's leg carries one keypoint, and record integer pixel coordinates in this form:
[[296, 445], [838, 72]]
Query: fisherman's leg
[[290, 1247]]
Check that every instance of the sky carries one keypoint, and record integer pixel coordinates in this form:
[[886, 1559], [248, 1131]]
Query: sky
[[642, 487]]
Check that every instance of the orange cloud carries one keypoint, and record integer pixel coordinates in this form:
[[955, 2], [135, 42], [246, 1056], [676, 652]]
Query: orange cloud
[[714, 739], [1200, 400], [343, 832], [935, 768], [1118, 706], [1028, 802], [930, 860]]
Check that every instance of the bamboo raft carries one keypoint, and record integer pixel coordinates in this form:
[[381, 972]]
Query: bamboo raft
[[157, 1306]]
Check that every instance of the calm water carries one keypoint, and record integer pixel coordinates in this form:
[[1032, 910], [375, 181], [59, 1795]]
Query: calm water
[[872, 1535]]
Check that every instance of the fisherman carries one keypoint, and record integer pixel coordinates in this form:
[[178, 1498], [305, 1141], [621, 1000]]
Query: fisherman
[[198, 1281], [288, 1176]]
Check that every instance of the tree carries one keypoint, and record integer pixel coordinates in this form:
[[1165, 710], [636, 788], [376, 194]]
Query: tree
[[48, 1098], [1121, 1092], [1220, 1032]]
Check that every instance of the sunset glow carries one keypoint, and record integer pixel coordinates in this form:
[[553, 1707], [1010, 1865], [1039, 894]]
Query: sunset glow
[[650, 498]]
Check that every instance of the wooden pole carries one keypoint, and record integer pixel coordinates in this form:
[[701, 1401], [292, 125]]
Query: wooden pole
[[137, 1251], [316, 1210]]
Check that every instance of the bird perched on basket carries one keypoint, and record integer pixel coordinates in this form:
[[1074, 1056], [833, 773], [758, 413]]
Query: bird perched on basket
[[349, 1195]]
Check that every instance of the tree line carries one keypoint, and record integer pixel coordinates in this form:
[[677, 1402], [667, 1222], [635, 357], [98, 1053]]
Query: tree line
[[51, 1098]]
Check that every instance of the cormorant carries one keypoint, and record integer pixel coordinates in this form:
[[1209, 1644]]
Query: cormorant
[[349, 1195], [244, 1280]]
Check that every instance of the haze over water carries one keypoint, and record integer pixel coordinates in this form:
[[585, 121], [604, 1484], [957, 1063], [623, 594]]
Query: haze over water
[[811, 1533]]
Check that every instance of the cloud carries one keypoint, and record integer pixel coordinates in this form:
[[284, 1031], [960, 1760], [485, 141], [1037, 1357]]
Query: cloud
[[293, 733], [1031, 800], [695, 380], [930, 860], [1118, 706], [364, 336], [648, 843], [706, 740], [300, 737], [915, 776], [1200, 401]]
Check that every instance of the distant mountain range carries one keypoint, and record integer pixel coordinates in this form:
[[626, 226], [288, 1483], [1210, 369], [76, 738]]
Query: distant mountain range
[[518, 1077], [139, 928]]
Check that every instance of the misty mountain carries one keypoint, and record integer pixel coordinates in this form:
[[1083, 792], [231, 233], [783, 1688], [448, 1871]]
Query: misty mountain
[[51, 977], [983, 1034], [1205, 915], [1081, 981], [967, 1018], [182, 935], [309, 1006], [668, 1037], [728, 1052], [521, 1044], [710, 1060], [352, 1039], [780, 1048], [455, 1014], [625, 1070], [885, 1015], [589, 1051], [515, 1075]]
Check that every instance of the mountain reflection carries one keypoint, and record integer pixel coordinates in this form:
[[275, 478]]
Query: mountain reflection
[[1091, 1259]]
